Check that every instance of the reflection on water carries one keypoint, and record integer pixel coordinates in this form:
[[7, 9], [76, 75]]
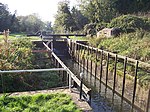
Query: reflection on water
[[103, 99]]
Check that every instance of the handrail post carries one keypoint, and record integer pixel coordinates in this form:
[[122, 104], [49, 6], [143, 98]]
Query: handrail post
[[81, 78], [135, 83], [69, 81], [148, 102]]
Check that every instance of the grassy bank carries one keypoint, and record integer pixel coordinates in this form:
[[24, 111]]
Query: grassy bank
[[134, 45], [38, 103]]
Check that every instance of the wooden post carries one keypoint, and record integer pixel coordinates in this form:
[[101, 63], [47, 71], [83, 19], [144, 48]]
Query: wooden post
[[135, 83], [115, 69], [107, 69]]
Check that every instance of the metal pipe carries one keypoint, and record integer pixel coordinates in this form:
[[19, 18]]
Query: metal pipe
[[34, 70], [81, 79]]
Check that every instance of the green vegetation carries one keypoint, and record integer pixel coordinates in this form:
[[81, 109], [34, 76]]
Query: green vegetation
[[38, 103], [67, 20], [19, 36], [78, 38], [130, 23], [18, 24], [17, 54], [134, 45]]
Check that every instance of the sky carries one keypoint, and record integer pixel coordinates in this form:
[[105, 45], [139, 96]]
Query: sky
[[46, 9]]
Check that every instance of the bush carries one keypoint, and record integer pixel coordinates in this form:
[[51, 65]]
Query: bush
[[90, 29], [130, 23]]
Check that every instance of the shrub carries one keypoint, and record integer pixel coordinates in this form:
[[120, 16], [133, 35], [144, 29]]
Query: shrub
[[90, 29], [130, 23]]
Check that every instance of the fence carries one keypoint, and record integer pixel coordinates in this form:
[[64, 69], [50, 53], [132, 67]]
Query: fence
[[118, 73]]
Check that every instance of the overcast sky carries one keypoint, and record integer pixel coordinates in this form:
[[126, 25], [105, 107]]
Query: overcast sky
[[46, 9]]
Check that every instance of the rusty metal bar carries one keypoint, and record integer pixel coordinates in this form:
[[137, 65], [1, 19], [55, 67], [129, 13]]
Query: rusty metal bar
[[107, 65], [84, 58], [124, 77], [91, 61], [115, 70], [101, 66], [79, 59], [135, 83], [76, 50], [78, 53], [96, 63], [87, 61], [141, 64], [148, 102], [73, 50]]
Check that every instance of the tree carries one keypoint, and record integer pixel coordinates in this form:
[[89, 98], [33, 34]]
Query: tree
[[30, 23], [63, 19], [132, 6], [98, 10], [79, 18]]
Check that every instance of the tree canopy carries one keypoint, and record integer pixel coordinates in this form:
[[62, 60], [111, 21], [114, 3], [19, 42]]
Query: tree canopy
[[67, 20], [29, 24]]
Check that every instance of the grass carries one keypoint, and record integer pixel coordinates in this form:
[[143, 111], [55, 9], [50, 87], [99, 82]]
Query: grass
[[78, 38], [16, 36], [134, 45], [56, 102]]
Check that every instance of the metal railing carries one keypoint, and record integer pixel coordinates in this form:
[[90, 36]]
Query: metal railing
[[112, 80], [72, 77]]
